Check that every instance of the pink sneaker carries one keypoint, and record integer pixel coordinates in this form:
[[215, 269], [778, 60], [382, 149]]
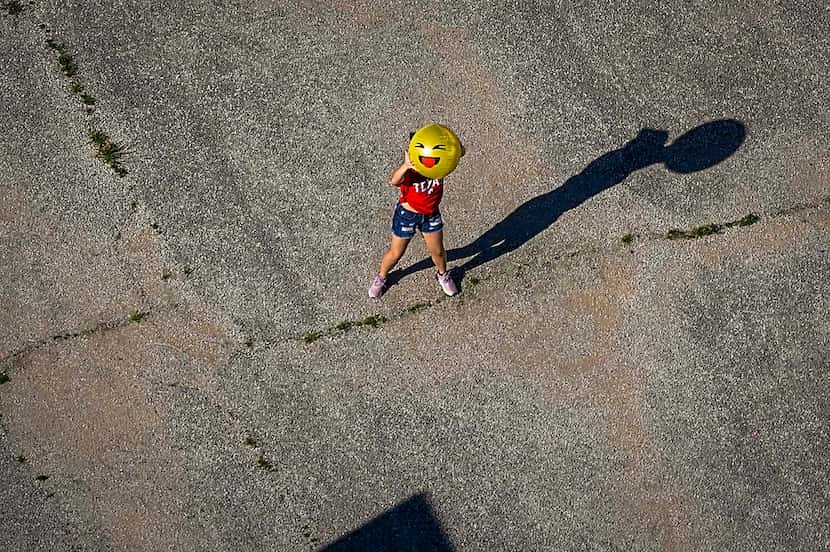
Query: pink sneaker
[[446, 282], [377, 287]]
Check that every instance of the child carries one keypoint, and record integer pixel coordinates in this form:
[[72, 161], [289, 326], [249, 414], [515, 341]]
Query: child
[[417, 209]]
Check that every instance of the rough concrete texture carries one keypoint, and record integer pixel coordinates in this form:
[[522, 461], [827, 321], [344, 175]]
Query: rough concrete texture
[[177, 362]]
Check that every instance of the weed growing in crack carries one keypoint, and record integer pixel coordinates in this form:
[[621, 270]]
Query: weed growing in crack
[[628, 239], [344, 326], [166, 275], [4, 378], [373, 321], [250, 442], [65, 59], [137, 317], [710, 229], [418, 306], [696, 232], [473, 281], [263, 463], [109, 152], [21, 459], [249, 343], [42, 477], [68, 65], [705, 230], [749, 220], [98, 137], [827, 200]]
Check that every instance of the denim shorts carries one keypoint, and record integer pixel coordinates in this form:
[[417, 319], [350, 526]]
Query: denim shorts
[[406, 222]]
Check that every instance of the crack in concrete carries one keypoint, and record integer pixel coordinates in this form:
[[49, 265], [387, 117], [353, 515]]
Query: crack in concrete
[[109, 151], [343, 327], [11, 359]]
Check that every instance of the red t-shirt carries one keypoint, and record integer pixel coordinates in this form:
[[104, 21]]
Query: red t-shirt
[[423, 194]]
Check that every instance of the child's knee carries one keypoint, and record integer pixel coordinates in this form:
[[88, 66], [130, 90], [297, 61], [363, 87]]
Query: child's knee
[[437, 250]]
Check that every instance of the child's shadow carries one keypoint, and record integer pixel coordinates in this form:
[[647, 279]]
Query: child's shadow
[[700, 148]]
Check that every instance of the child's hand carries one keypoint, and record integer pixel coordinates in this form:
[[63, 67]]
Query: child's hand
[[399, 173]]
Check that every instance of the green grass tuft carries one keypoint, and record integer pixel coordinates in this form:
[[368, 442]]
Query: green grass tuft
[[263, 463], [68, 65], [87, 99], [373, 321], [137, 316], [21, 459], [109, 152], [628, 238], [98, 137], [418, 306], [311, 337], [344, 326], [65, 59], [250, 442], [473, 281], [749, 220], [705, 230], [4, 378], [827, 200], [75, 87], [710, 229]]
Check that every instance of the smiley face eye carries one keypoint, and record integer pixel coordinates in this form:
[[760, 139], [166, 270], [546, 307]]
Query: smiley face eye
[[439, 147], [419, 145]]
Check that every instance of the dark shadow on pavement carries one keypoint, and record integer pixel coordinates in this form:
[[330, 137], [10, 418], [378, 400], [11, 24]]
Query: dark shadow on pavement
[[411, 526], [700, 148]]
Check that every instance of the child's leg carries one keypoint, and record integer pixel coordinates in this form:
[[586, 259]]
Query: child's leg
[[393, 255], [435, 244]]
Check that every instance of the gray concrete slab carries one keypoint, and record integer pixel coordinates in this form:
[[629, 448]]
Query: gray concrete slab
[[188, 353]]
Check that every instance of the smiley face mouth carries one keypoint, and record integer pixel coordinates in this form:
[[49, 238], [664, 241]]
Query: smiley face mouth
[[429, 162]]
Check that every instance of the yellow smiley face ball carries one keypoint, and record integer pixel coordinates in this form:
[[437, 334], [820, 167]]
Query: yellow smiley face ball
[[434, 151]]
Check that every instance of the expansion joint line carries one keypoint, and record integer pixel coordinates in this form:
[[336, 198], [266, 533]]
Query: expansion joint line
[[376, 320], [9, 360]]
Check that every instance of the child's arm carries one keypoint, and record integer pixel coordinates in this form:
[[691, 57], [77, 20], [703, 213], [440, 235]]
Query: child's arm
[[398, 174]]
